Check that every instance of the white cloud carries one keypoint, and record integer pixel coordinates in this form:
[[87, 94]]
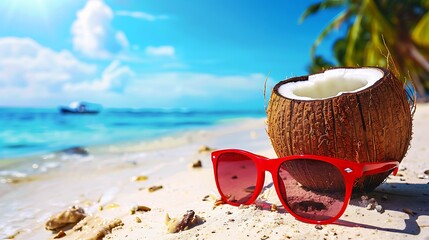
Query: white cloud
[[163, 51], [93, 34], [122, 39], [199, 84], [31, 74], [114, 78], [197, 90], [140, 15], [24, 63]]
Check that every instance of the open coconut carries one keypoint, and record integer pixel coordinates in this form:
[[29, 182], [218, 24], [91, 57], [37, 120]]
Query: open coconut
[[358, 114]]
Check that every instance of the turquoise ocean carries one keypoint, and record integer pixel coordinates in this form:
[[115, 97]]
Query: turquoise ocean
[[34, 131]]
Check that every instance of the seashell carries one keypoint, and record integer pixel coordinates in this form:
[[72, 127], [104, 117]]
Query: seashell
[[70, 216], [189, 220]]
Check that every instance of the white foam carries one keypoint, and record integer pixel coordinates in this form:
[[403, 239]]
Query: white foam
[[12, 173]]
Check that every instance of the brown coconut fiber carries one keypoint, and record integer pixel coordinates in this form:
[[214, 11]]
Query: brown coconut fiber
[[371, 125]]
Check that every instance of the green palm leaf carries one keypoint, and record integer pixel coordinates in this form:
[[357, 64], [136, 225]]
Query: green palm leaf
[[420, 34], [388, 33], [335, 24], [320, 6], [352, 39]]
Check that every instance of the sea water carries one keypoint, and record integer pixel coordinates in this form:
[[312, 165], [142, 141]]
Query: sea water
[[40, 140], [31, 131]]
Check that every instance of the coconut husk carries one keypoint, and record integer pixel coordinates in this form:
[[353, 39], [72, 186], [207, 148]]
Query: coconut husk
[[371, 125]]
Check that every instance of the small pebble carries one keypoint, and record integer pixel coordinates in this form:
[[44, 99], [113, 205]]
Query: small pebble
[[318, 227], [197, 164], [379, 208], [364, 197], [427, 172], [265, 237], [141, 208], [111, 206], [421, 176], [370, 206], [273, 208], [209, 197], [242, 206], [155, 188], [139, 178], [409, 211], [138, 220], [364, 201], [218, 203], [60, 234], [205, 149]]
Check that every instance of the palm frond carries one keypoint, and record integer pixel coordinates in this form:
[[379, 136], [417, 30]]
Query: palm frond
[[335, 24], [378, 18], [314, 8], [352, 39], [420, 33]]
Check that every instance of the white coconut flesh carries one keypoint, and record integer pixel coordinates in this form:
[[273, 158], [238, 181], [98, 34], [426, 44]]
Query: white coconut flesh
[[331, 83]]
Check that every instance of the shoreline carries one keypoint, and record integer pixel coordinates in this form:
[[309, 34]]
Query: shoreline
[[156, 159], [20, 167], [43, 131], [107, 192]]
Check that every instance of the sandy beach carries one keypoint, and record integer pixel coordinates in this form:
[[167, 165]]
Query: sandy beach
[[113, 185]]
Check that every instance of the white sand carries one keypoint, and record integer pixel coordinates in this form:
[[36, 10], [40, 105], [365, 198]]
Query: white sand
[[105, 181]]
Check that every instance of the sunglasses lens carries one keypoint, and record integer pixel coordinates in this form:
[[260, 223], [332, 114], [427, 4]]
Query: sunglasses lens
[[312, 189], [237, 176]]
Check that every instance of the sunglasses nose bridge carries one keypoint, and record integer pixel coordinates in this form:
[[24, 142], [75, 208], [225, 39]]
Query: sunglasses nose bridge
[[268, 165]]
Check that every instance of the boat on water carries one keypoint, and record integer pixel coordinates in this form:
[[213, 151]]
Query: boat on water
[[81, 108]]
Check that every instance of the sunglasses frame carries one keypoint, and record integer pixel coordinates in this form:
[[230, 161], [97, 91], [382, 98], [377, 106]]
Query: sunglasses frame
[[350, 171]]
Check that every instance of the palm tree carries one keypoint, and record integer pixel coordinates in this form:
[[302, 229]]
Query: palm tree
[[387, 33]]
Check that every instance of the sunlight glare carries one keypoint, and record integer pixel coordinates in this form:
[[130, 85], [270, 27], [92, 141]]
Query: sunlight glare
[[29, 8]]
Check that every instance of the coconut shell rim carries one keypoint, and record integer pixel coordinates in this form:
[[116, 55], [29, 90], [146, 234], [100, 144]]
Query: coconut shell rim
[[385, 71]]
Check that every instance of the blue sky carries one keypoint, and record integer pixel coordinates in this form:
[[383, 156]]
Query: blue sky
[[212, 54]]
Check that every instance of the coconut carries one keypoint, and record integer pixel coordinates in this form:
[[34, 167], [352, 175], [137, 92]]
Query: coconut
[[357, 114]]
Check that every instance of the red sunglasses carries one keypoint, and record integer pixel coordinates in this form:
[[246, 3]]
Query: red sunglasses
[[240, 177]]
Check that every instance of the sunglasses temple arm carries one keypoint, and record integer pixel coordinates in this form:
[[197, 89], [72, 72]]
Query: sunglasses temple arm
[[374, 168]]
